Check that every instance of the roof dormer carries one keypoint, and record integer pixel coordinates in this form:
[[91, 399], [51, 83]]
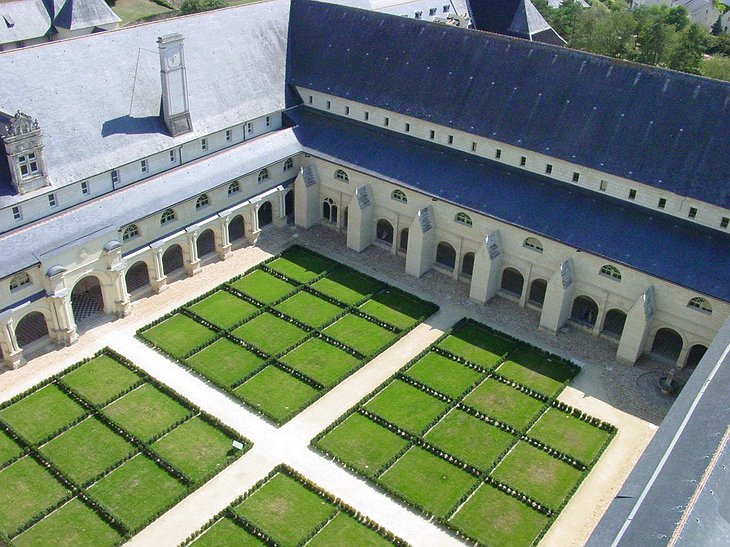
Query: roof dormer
[[23, 141]]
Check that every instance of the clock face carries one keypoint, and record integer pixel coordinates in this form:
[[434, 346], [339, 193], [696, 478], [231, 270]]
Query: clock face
[[173, 58]]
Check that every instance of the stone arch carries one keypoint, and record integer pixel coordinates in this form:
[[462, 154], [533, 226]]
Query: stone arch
[[172, 259], [87, 298], [446, 255], [403, 240], [384, 231], [32, 327], [585, 310], [329, 210], [236, 228], [512, 281], [205, 243], [467, 264], [265, 214], [538, 288], [137, 276], [613, 323], [696, 353], [289, 203], [667, 344]]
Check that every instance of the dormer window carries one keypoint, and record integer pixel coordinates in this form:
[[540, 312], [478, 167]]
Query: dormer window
[[22, 140], [28, 165]]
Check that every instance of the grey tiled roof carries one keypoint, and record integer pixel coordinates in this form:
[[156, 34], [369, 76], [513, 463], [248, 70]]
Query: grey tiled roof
[[77, 14], [23, 20]]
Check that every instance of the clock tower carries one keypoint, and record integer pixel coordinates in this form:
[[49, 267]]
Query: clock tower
[[175, 108]]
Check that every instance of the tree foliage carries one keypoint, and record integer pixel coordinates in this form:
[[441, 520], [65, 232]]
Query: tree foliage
[[196, 6]]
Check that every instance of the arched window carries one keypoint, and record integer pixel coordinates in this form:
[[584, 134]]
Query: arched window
[[202, 201], [533, 243], [611, 271], [167, 216], [399, 196], [19, 280], [341, 175], [288, 164], [700, 304], [234, 187], [130, 232], [263, 174], [463, 218]]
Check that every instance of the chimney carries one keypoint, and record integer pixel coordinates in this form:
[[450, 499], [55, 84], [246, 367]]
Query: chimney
[[175, 108]]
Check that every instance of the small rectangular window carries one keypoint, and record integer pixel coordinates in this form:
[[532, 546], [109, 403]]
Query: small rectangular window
[[52, 200], [473, 147], [576, 176], [549, 168], [408, 127], [692, 212], [249, 127], [115, 176], [143, 165], [347, 110], [523, 161], [419, 14], [329, 105], [447, 8], [632, 194], [662, 203], [172, 156], [386, 121], [204, 144], [367, 116], [268, 121], [311, 99], [724, 222], [432, 134], [17, 215], [229, 135], [451, 139], [497, 153], [432, 12], [85, 188], [603, 186]]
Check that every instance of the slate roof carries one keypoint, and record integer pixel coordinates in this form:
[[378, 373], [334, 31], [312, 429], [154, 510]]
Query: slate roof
[[23, 20], [620, 231], [529, 24], [662, 128], [76, 14]]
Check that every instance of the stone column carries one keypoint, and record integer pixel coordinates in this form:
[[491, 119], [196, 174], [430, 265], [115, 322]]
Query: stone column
[[122, 305], [526, 287], [421, 243], [487, 265], [602, 308], [396, 231], [12, 354], [360, 229], [636, 328], [192, 262], [306, 197], [558, 298], [158, 279], [279, 216], [65, 331], [250, 223], [457, 259], [222, 241]]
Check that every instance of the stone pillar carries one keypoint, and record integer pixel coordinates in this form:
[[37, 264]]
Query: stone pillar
[[602, 308], [279, 216], [558, 298], [306, 197], [64, 332], [526, 287], [158, 279], [396, 231], [12, 354], [192, 262], [360, 229], [222, 241], [421, 243], [457, 259], [487, 265], [122, 306], [636, 329]]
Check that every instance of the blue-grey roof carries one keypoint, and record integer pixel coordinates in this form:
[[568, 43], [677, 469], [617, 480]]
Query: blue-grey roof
[[23, 20], [620, 231], [663, 128], [77, 14]]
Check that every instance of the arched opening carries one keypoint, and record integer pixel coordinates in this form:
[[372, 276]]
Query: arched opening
[[403, 241], [467, 264], [533, 243], [585, 311], [137, 277], [696, 353], [538, 288], [172, 259], [289, 205], [31, 328], [236, 229], [613, 324], [667, 344], [86, 298], [205, 243], [329, 210], [446, 255], [266, 214], [512, 281], [384, 231]]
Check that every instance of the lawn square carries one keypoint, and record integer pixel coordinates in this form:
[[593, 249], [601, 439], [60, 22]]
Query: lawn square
[[224, 362], [309, 309], [136, 491], [345, 530], [263, 286], [42, 413], [443, 374], [277, 393], [360, 334], [537, 474], [9, 449], [362, 444], [433, 483], [73, 524], [495, 518], [146, 411], [397, 308], [224, 309], [227, 532], [570, 435], [533, 369], [178, 335], [86, 450], [505, 403], [321, 361], [101, 379], [302, 265], [196, 448], [348, 286], [406, 406], [470, 439], [26, 488], [285, 509], [270, 333], [477, 344]]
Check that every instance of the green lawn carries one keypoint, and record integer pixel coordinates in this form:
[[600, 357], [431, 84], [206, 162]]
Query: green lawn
[[224, 362], [42, 413], [196, 448], [495, 518], [397, 308], [136, 491], [25, 489], [309, 309], [133, 10], [227, 532], [348, 286], [505, 403], [477, 344], [301, 265], [429, 481], [9, 449], [101, 380], [360, 334], [86, 450], [285, 509], [470, 439], [146, 411], [321, 361], [443, 374], [263, 286], [570, 435], [277, 393], [362, 444], [345, 530], [532, 368], [406, 406], [178, 335], [537, 474], [224, 309], [72, 525], [270, 333]]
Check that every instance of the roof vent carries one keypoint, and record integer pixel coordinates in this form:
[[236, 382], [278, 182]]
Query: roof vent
[[9, 21]]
